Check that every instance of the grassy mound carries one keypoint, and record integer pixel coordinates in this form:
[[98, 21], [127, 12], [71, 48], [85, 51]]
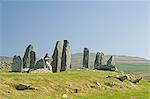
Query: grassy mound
[[75, 84]]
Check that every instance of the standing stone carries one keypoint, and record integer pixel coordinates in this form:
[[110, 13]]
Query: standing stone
[[32, 59], [26, 58], [56, 63], [86, 58], [102, 59], [97, 60], [48, 60], [40, 64], [17, 64], [111, 61], [66, 56]]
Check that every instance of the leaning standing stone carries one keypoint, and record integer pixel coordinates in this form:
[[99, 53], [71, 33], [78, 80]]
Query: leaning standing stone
[[32, 59], [86, 58], [66, 56], [26, 58], [17, 64], [56, 63]]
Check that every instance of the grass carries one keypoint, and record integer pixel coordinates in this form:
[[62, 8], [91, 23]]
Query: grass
[[54, 85]]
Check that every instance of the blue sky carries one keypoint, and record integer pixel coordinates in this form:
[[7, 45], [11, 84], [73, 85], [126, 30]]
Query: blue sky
[[113, 27]]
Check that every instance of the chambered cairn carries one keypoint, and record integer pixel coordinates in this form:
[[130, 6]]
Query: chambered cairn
[[101, 64], [85, 58], [66, 57], [60, 60]]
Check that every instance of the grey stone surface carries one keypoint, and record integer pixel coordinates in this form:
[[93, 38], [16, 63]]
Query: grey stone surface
[[48, 60], [111, 61], [86, 58], [40, 64], [26, 58], [66, 56], [56, 63], [17, 64], [32, 59], [99, 60]]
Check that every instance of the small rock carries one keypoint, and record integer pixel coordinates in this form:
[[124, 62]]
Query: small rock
[[108, 76], [122, 78], [137, 80], [94, 70], [97, 83], [64, 96], [24, 87], [76, 90]]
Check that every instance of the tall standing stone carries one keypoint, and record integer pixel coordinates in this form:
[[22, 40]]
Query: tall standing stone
[[111, 61], [97, 60], [32, 59], [17, 64], [86, 58], [40, 64], [66, 56], [26, 58], [48, 60], [56, 63]]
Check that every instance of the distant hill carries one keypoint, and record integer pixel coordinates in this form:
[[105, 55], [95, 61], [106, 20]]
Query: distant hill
[[77, 59]]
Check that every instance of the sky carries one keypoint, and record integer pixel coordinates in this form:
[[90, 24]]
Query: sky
[[113, 27]]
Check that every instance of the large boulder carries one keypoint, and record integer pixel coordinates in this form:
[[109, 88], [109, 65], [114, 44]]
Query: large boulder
[[48, 60], [26, 58], [32, 59], [17, 64], [66, 56], [86, 58], [56, 63], [40, 64]]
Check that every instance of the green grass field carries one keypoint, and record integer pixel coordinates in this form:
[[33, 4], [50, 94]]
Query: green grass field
[[54, 85]]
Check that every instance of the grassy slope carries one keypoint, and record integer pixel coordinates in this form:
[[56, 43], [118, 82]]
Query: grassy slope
[[54, 85]]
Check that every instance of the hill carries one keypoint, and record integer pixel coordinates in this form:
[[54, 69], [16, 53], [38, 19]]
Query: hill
[[74, 84]]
